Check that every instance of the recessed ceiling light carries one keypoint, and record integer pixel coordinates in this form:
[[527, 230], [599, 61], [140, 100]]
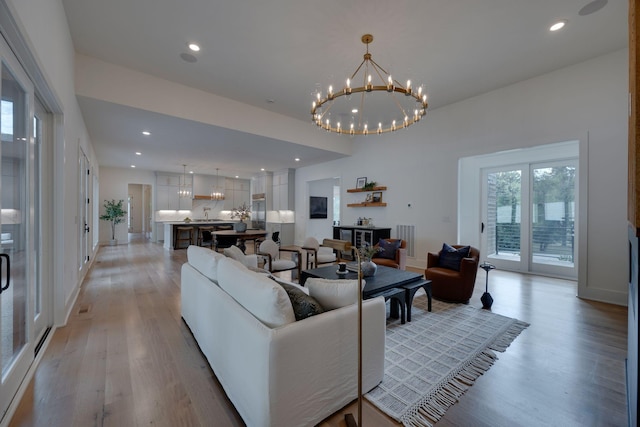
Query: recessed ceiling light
[[558, 25], [355, 110], [190, 171], [194, 47], [297, 159], [133, 166], [146, 133], [138, 153], [237, 176], [262, 169]]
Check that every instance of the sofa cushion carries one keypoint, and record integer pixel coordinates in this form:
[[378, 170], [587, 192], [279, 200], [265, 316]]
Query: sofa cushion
[[204, 260], [389, 248], [332, 294], [303, 305], [259, 295], [451, 257]]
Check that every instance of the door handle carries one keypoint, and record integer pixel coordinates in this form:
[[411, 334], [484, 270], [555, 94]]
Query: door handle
[[4, 288], [481, 227]]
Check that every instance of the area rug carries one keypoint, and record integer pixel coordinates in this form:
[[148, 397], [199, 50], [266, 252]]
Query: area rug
[[432, 360]]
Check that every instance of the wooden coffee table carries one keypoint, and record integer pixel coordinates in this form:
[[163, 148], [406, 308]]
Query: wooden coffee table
[[386, 278]]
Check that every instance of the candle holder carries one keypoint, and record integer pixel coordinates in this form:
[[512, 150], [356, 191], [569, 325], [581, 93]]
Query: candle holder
[[487, 299]]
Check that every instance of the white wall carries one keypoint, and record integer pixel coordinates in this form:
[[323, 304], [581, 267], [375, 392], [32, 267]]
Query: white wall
[[43, 25], [320, 228], [419, 165], [114, 184]]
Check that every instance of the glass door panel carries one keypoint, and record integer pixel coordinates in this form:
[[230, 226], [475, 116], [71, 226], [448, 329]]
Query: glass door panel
[[553, 214], [502, 217], [15, 318]]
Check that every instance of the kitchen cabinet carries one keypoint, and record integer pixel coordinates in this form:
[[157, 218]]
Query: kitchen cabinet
[[284, 190], [236, 192], [167, 187]]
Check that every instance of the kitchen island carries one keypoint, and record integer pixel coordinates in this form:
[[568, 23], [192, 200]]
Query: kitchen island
[[170, 228]]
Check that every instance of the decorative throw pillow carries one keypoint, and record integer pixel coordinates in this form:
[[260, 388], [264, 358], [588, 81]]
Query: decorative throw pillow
[[234, 252], [451, 257], [389, 248], [303, 305], [332, 294]]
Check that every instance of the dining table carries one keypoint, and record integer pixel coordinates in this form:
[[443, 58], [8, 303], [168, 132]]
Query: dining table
[[242, 236]]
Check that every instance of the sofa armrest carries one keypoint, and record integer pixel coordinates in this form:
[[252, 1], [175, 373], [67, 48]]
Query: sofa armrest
[[323, 350], [432, 259], [469, 268]]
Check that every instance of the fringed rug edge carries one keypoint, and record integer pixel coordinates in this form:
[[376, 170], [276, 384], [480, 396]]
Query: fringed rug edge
[[433, 407]]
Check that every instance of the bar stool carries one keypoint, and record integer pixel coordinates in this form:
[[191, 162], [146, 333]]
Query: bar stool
[[183, 234], [205, 238]]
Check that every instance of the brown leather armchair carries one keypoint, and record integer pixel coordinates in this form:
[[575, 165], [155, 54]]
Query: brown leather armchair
[[451, 285], [400, 260]]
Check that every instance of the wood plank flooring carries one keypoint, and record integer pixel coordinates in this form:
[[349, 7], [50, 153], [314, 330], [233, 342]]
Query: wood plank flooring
[[126, 358]]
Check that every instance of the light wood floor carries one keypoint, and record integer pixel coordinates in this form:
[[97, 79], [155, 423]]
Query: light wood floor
[[127, 359]]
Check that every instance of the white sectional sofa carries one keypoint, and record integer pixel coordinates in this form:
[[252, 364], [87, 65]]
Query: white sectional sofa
[[277, 371]]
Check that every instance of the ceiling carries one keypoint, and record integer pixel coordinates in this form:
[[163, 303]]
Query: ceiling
[[275, 54]]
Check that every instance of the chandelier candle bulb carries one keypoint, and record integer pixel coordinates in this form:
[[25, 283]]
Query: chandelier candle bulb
[[369, 87], [330, 94], [408, 91]]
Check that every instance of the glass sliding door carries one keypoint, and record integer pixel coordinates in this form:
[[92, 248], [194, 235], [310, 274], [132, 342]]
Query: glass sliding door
[[529, 217], [17, 270]]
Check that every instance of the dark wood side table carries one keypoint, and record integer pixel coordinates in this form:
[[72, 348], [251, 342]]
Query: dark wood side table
[[410, 290]]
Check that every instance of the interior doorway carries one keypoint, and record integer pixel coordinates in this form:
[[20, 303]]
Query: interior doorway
[[139, 213]]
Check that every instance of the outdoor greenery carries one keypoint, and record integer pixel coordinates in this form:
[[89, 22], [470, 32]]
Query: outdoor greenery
[[114, 213], [551, 186]]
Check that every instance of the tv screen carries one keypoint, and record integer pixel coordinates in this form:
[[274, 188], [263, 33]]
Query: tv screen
[[317, 207]]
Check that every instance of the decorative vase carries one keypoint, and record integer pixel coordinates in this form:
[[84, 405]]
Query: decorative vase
[[369, 268], [240, 227]]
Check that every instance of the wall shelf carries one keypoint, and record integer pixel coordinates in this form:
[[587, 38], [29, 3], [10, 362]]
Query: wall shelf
[[366, 205], [362, 190]]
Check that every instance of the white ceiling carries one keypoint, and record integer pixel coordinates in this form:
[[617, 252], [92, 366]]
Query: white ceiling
[[254, 50]]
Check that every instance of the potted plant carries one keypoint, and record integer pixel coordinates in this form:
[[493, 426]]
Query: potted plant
[[114, 213], [242, 212]]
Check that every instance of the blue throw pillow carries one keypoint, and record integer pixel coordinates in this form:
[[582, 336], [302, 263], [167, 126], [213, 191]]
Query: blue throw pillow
[[389, 249], [451, 257]]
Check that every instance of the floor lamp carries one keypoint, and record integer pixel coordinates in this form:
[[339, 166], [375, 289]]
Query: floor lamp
[[348, 418]]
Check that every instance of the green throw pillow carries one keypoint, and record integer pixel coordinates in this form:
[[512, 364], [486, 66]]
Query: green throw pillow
[[303, 305]]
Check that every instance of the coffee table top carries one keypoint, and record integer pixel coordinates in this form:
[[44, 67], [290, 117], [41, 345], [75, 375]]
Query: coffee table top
[[385, 278]]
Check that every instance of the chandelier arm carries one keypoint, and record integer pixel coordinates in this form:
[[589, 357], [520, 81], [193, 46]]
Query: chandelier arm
[[358, 69], [375, 64]]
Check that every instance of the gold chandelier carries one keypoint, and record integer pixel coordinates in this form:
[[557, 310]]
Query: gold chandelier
[[216, 193], [184, 190], [349, 117]]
